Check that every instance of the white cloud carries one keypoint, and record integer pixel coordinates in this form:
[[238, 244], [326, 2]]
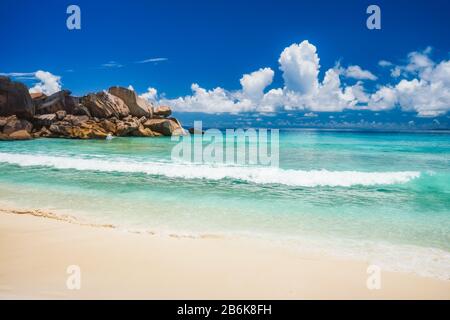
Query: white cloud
[[396, 72], [384, 63], [202, 100], [418, 62], [152, 60], [112, 64], [428, 94], [151, 95], [48, 83], [423, 87], [356, 72], [18, 74], [253, 84], [384, 98], [300, 66]]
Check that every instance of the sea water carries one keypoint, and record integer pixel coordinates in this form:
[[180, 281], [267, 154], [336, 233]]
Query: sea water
[[379, 197]]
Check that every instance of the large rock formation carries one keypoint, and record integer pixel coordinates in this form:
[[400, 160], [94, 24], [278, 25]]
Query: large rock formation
[[162, 111], [20, 135], [58, 101], [138, 106], [14, 124], [44, 120], [167, 127], [15, 99], [105, 105], [119, 112]]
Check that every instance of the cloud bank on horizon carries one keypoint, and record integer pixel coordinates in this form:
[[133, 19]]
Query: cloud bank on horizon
[[421, 85]]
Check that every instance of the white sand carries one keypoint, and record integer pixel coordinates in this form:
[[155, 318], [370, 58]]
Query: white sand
[[36, 251]]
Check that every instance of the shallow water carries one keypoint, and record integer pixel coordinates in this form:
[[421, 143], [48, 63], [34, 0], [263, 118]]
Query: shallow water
[[381, 197]]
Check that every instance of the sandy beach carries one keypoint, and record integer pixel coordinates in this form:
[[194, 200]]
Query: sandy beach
[[35, 253]]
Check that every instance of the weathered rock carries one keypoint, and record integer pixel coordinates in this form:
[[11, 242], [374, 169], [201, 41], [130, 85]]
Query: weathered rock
[[57, 101], [162, 111], [105, 105], [138, 107], [81, 110], [15, 99], [145, 132], [38, 98], [86, 130], [61, 128], [167, 127], [75, 120], [119, 112], [177, 122], [61, 114], [127, 127], [108, 126], [44, 120], [92, 130], [142, 119], [71, 104], [13, 124], [3, 121], [37, 95], [42, 133], [20, 135]]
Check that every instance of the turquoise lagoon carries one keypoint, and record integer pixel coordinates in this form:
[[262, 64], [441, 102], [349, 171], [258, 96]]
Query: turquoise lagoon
[[378, 197]]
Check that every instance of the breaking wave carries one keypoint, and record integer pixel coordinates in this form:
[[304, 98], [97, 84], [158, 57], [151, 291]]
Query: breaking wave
[[258, 175]]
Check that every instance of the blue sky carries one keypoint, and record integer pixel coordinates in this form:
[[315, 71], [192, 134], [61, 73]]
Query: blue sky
[[214, 43]]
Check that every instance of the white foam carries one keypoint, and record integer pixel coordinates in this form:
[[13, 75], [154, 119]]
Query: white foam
[[396, 257], [258, 175]]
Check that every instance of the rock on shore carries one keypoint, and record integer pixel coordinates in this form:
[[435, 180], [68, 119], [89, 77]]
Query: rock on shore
[[118, 112]]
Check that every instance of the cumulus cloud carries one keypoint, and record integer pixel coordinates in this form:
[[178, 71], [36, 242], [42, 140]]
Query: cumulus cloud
[[423, 87], [48, 83], [419, 61], [384, 98], [217, 100], [396, 72], [300, 66], [427, 93], [253, 84], [151, 95], [384, 63], [356, 72], [303, 90]]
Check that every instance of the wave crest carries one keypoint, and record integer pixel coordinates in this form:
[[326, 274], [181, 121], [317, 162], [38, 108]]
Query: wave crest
[[258, 175]]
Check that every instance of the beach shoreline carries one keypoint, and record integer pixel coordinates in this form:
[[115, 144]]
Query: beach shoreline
[[35, 253]]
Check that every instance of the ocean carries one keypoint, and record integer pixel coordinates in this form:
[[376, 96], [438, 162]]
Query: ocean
[[378, 197]]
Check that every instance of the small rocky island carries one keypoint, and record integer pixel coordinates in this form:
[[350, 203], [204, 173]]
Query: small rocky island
[[116, 112]]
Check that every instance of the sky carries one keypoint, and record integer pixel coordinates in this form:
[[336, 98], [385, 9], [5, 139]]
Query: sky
[[295, 61]]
